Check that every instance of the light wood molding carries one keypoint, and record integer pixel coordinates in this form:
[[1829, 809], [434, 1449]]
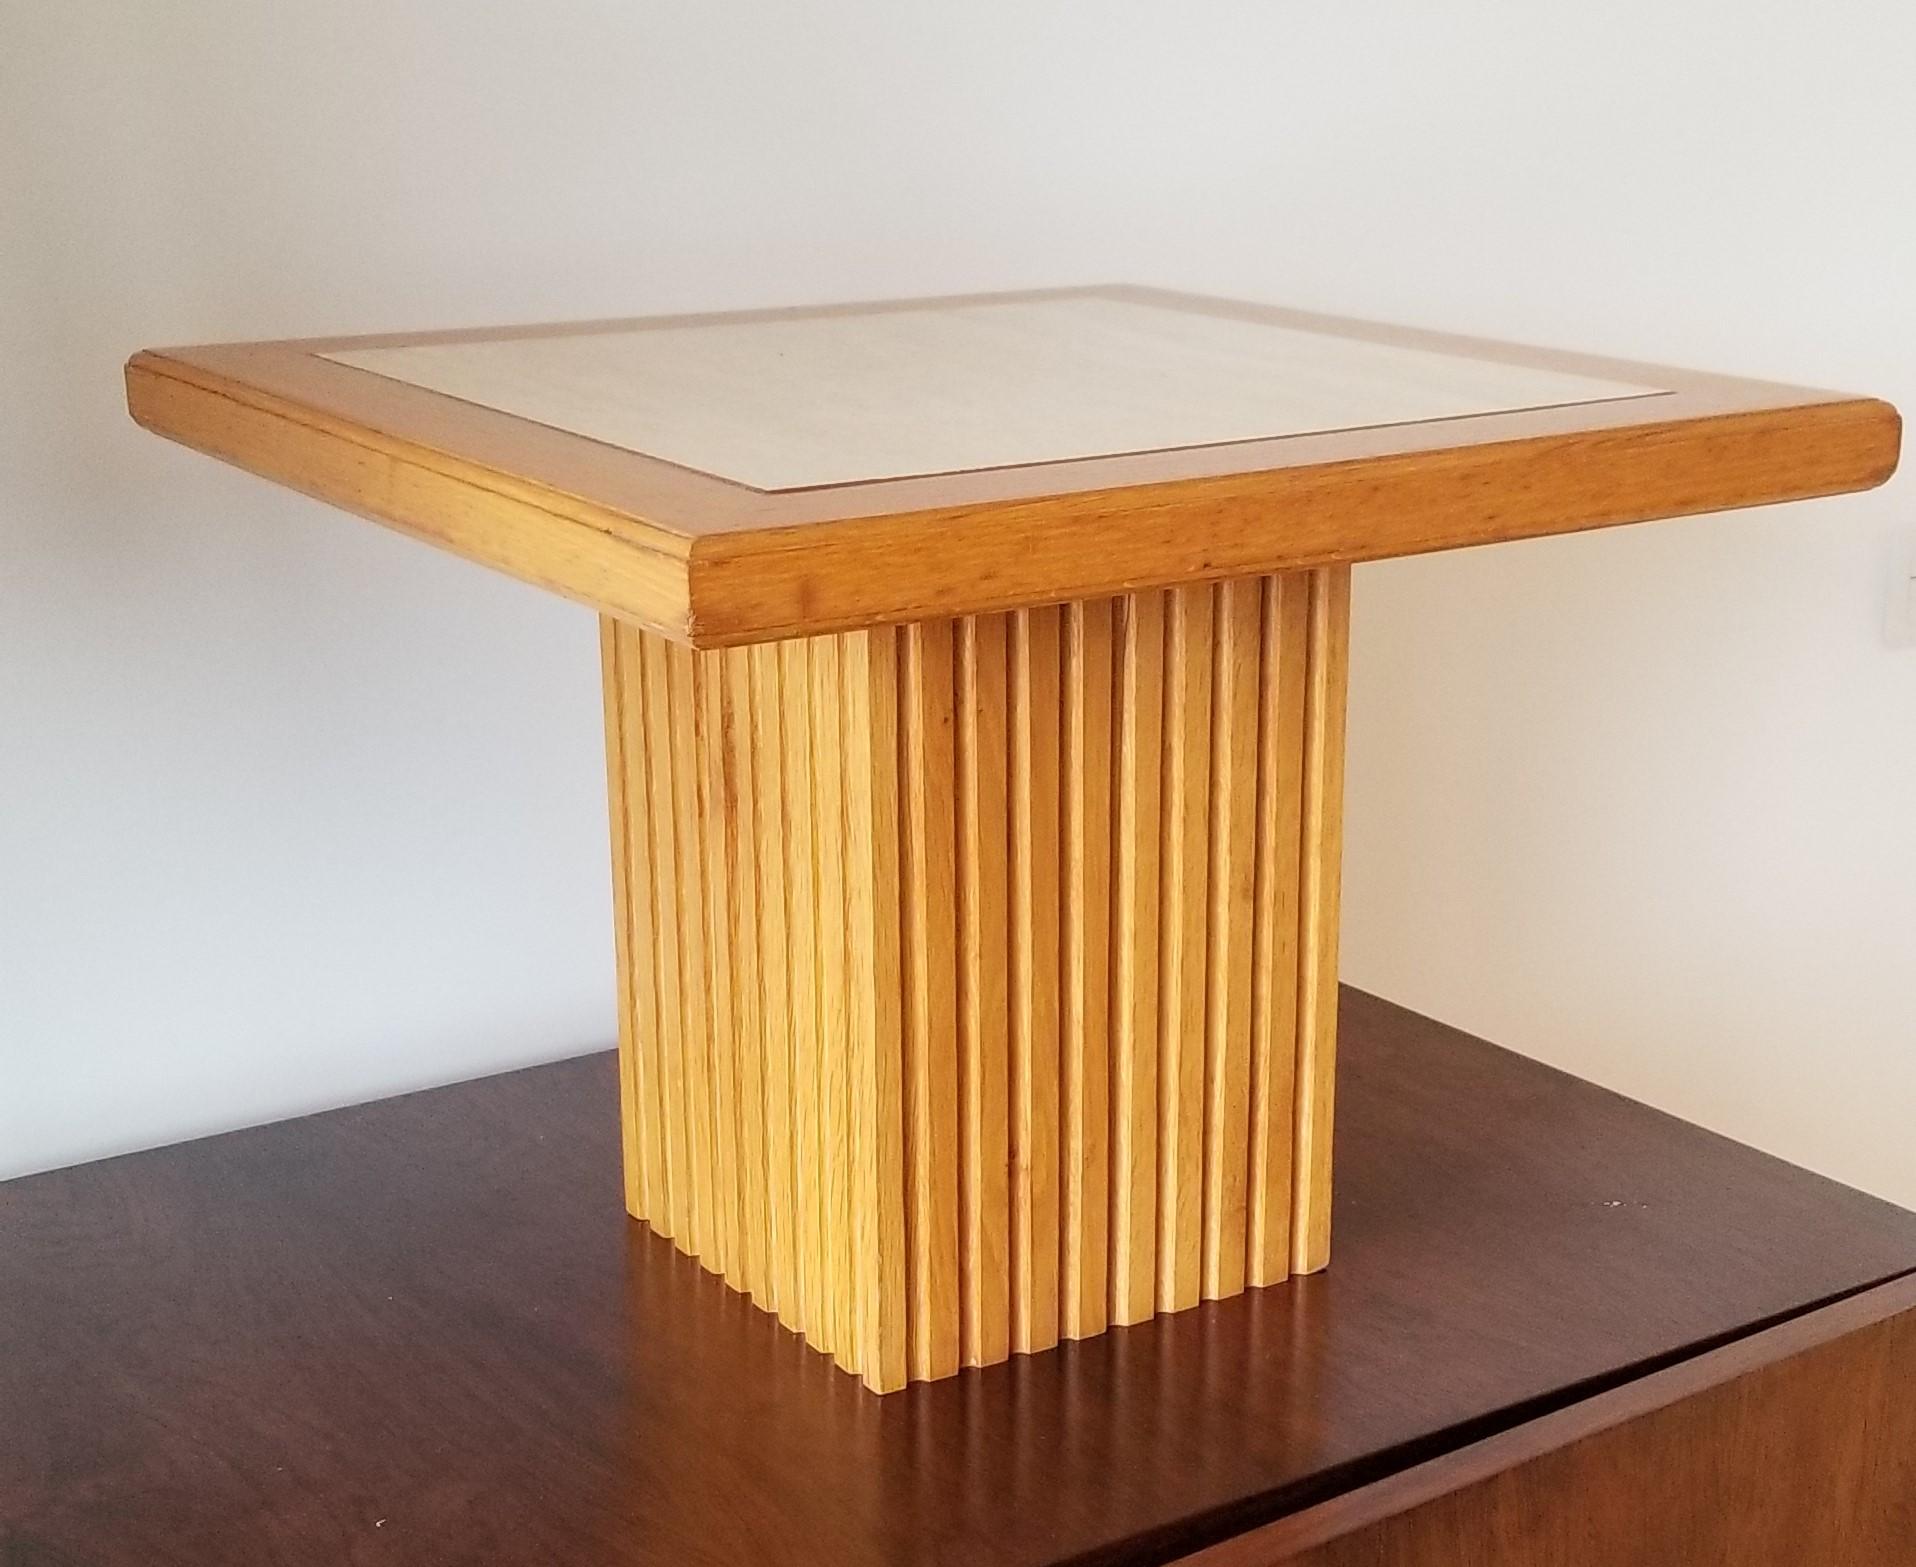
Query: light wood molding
[[878, 892], [715, 562]]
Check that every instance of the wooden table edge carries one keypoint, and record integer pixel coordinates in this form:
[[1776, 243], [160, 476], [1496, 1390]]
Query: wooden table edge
[[998, 539], [606, 559], [1397, 1494], [762, 584]]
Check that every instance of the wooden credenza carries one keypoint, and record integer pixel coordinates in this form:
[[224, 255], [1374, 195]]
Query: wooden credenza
[[1561, 1329]]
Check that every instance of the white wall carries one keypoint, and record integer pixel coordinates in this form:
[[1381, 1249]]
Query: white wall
[[293, 811], [1644, 802]]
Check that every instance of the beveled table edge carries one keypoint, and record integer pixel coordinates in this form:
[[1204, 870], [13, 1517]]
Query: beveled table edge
[[716, 563]]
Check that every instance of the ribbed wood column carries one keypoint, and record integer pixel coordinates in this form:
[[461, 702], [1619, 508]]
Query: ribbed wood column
[[978, 976]]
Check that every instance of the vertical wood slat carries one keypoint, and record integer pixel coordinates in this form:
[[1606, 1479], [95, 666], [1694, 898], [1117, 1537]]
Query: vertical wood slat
[[1183, 931], [801, 935], [977, 978], [738, 823], [705, 1237], [1328, 659], [1233, 823], [1274, 931], [669, 925], [631, 944], [1138, 719], [723, 1032], [835, 1154], [1035, 732], [646, 900], [983, 992], [1085, 937], [928, 874], [775, 990], [876, 1101]]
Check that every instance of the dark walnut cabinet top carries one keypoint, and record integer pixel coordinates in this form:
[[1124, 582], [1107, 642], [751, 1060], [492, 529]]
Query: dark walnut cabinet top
[[423, 1332]]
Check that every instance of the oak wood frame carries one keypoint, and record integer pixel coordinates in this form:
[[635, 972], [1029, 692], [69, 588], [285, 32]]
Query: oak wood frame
[[715, 563]]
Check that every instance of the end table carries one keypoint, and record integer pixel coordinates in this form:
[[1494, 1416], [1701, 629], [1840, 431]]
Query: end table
[[974, 681]]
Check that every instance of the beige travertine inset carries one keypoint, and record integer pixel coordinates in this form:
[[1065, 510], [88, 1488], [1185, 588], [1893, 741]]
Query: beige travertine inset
[[850, 396]]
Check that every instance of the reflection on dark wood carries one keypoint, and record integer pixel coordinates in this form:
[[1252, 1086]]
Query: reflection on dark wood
[[1795, 1444], [423, 1332]]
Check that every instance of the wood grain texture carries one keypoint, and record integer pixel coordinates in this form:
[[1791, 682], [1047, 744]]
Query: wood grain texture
[[1036, 790], [777, 999], [705, 1235], [1275, 929], [593, 553], [875, 1101], [423, 1333], [703, 560], [1184, 934], [1085, 926], [995, 929], [723, 1031], [738, 829], [801, 930], [1229, 992], [928, 881], [1795, 1444], [631, 876], [665, 1135], [984, 1002], [835, 1323], [1327, 662], [1137, 752]]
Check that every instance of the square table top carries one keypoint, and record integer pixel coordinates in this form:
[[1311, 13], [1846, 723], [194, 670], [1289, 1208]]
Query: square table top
[[731, 478]]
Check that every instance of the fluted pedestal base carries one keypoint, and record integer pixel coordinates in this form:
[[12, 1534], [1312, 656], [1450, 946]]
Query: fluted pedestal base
[[978, 976]]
